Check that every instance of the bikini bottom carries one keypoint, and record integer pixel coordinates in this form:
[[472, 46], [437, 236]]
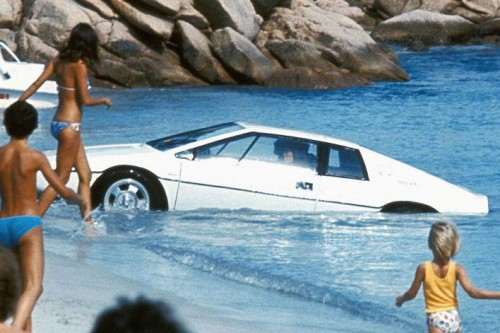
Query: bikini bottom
[[56, 127]]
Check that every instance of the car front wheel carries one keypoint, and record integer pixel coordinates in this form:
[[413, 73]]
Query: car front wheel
[[128, 189]]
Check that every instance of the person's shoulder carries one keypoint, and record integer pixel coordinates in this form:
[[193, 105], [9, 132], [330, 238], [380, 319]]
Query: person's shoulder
[[35, 155], [421, 267], [459, 267], [53, 62]]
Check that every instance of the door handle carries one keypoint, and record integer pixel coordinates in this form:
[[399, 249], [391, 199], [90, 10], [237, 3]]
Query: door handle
[[304, 186]]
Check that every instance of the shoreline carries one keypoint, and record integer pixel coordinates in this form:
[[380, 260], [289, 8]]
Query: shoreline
[[75, 293]]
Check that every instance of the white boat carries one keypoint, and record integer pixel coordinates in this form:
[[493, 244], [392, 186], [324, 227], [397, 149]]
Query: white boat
[[17, 75]]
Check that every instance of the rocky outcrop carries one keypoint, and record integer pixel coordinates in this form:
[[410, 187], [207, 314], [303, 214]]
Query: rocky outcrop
[[316, 44], [333, 43], [427, 27]]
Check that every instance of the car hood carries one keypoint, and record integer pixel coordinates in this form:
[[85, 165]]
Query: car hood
[[104, 156]]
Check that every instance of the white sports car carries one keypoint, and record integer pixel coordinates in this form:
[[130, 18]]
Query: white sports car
[[239, 165]]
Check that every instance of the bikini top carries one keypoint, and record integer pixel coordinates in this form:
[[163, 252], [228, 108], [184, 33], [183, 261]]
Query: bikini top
[[65, 88]]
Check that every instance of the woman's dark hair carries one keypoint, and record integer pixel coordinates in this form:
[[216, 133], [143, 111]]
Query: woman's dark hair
[[20, 119], [82, 44]]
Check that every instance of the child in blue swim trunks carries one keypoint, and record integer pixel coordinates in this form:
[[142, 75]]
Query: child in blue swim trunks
[[439, 278], [20, 225]]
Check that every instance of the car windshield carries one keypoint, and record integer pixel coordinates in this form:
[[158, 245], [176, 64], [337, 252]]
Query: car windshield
[[177, 140]]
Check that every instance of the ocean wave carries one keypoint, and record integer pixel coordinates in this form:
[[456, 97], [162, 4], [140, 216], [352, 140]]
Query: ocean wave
[[330, 296]]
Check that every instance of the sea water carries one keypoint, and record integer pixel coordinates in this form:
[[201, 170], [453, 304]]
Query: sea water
[[309, 272]]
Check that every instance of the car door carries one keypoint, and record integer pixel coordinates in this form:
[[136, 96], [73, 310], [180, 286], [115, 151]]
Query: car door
[[281, 172], [249, 172], [344, 181]]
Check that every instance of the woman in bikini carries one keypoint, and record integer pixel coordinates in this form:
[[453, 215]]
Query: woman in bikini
[[70, 70]]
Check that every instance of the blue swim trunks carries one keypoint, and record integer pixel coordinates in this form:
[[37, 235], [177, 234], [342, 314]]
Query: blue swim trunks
[[12, 229]]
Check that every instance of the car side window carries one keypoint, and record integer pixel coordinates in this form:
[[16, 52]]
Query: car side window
[[346, 163], [225, 149], [285, 150]]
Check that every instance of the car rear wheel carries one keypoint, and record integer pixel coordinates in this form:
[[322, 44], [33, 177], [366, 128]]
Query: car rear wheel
[[128, 189], [407, 207]]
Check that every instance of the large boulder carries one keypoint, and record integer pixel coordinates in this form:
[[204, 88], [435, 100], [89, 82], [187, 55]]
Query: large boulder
[[169, 7], [477, 10], [100, 7], [10, 13], [335, 39], [473, 10], [293, 53], [197, 51], [391, 8], [340, 7], [238, 15], [426, 27], [265, 7], [46, 27], [144, 19], [242, 56], [189, 14], [490, 31]]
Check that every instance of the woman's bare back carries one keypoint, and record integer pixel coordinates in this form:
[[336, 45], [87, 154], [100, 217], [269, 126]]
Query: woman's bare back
[[68, 77]]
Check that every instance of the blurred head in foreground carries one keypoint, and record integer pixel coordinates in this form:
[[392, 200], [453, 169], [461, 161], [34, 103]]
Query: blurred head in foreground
[[10, 283], [138, 316]]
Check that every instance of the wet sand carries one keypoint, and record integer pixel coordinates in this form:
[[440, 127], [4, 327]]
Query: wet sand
[[75, 293]]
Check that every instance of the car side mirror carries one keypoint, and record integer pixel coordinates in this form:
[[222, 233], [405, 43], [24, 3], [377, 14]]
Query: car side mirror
[[185, 155]]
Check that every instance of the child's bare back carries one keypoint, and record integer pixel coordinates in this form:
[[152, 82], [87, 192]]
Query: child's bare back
[[18, 167]]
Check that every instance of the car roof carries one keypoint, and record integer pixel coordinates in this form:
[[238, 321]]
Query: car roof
[[251, 127]]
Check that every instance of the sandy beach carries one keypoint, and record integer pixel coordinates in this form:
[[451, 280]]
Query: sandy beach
[[75, 293]]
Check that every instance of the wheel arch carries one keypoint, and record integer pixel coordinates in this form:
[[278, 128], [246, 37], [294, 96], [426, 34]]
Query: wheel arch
[[407, 207], [96, 187]]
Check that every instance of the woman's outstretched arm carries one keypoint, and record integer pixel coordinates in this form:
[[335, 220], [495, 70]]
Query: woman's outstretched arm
[[46, 74]]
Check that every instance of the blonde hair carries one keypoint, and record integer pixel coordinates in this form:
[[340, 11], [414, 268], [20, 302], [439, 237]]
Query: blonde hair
[[444, 240]]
